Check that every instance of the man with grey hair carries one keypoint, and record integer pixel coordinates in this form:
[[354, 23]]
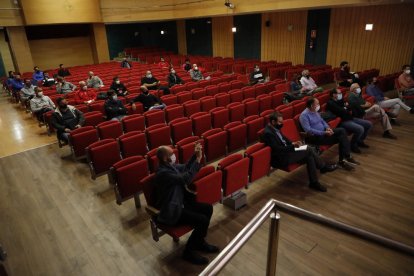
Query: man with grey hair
[[94, 81], [309, 84], [176, 204]]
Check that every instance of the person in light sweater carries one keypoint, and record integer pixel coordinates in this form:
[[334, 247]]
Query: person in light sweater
[[308, 84]]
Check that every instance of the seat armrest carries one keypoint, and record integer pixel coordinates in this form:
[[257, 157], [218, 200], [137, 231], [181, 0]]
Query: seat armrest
[[152, 211]]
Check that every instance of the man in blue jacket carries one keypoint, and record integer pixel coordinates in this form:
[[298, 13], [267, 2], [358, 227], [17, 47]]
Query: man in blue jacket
[[178, 206]]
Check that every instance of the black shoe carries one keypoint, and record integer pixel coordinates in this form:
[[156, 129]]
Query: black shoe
[[412, 110], [394, 122], [318, 187], [363, 145], [208, 248], [352, 161], [389, 135], [355, 149], [329, 168], [194, 258], [345, 166]]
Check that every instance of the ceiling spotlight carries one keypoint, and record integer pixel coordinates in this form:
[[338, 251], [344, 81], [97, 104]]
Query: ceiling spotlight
[[234, 29], [162, 32], [229, 5]]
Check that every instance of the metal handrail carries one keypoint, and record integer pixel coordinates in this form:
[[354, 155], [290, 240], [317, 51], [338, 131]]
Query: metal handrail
[[273, 206]]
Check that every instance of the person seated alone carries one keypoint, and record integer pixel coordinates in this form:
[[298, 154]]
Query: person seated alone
[[63, 86], [125, 63], [363, 109], [85, 95], [63, 72], [296, 90], [174, 79], [114, 109], [148, 100], [151, 83], [187, 65], [119, 87], [47, 80], [346, 77], [27, 92], [37, 75], [94, 81], [178, 206], [196, 74], [320, 133], [308, 84], [357, 126], [65, 119], [406, 81], [384, 102], [40, 104], [163, 64], [284, 152], [256, 76]]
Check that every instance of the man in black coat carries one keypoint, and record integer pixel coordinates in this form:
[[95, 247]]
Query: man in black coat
[[114, 109], [65, 119], [173, 78], [284, 153], [176, 204]]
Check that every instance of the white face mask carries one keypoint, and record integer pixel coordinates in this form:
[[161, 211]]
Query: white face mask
[[358, 90], [339, 97], [117, 82], [408, 71], [196, 68], [317, 108], [172, 71], [114, 97], [173, 159], [40, 94], [149, 76]]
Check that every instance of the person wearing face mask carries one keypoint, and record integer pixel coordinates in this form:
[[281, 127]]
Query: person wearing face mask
[[174, 79], [187, 65], [40, 104], [94, 81], [195, 73], [346, 77], [47, 80], [119, 87], [63, 72], [65, 119], [406, 81], [125, 63], [37, 75], [114, 108], [357, 126], [178, 206], [148, 100], [27, 92], [364, 109], [394, 105], [64, 87], [151, 83], [85, 95], [16, 83], [284, 153], [256, 76], [318, 132], [296, 90], [308, 84], [163, 64]]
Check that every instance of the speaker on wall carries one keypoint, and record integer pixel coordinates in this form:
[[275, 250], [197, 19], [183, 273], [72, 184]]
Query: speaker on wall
[[267, 23]]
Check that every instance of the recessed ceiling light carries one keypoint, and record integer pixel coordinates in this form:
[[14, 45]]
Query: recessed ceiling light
[[369, 27]]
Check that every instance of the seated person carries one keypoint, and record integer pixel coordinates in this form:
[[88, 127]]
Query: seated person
[[27, 92], [152, 83], [384, 102], [357, 126], [406, 81], [40, 104], [256, 76], [296, 90], [94, 81], [119, 87], [10, 78], [173, 78], [65, 119], [37, 75], [284, 153], [363, 109], [163, 64], [125, 63], [187, 65], [114, 109], [85, 95], [196, 74], [346, 77], [148, 100], [320, 133], [63, 86], [47, 80], [63, 72], [308, 84], [174, 179], [16, 83]]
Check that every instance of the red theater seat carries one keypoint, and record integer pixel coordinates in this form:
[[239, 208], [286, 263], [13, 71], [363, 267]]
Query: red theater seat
[[80, 138], [134, 122], [236, 111], [133, 143], [154, 117], [235, 170], [201, 122], [109, 129], [254, 123], [181, 128], [265, 102], [158, 135], [186, 148], [215, 141], [207, 184], [219, 117], [259, 155], [207, 103], [236, 135], [93, 118], [191, 107], [251, 107], [173, 112], [101, 156]]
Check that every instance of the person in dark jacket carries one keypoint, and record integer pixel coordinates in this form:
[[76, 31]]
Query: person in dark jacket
[[125, 63], [65, 119], [148, 100], [357, 126], [296, 91], [173, 78], [346, 77], [284, 152], [119, 87], [256, 76], [150, 82], [63, 72], [114, 109], [178, 206]]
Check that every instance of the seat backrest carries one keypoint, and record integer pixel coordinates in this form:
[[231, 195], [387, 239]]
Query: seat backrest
[[215, 142], [102, 155], [236, 135], [236, 95], [208, 183], [249, 92], [259, 155], [133, 143], [158, 135], [198, 93], [153, 117], [169, 99], [109, 129], [183, 97], [148, 187], [173, 112], [134, 122], [222, 99], [265, 102], [219, 117], [290, 130], [80, 138], [201, 122], [207, 103], [235, 170], [191, 107], [212, 90], [181, 128], [236, 111]]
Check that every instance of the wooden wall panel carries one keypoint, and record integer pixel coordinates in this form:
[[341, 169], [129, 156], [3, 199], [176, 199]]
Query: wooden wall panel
[[387, 47], [181, 37], [63, 11], [99, 43], [222, 36], [49, 53], [10, 14], [6, 54], [278, 43], [20, 49]]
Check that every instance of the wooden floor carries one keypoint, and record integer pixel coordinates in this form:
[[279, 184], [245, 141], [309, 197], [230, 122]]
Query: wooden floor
[[55, 220]]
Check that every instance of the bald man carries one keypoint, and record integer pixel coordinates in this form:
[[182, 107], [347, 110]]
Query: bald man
[[178, 206]]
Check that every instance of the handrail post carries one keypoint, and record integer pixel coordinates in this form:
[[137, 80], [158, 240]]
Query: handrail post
[[273, 244]]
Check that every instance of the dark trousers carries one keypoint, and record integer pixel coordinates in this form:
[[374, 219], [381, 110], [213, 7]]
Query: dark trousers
[[359, 128], [312, 160], [197, 215], [339, 137], [39, 114]]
